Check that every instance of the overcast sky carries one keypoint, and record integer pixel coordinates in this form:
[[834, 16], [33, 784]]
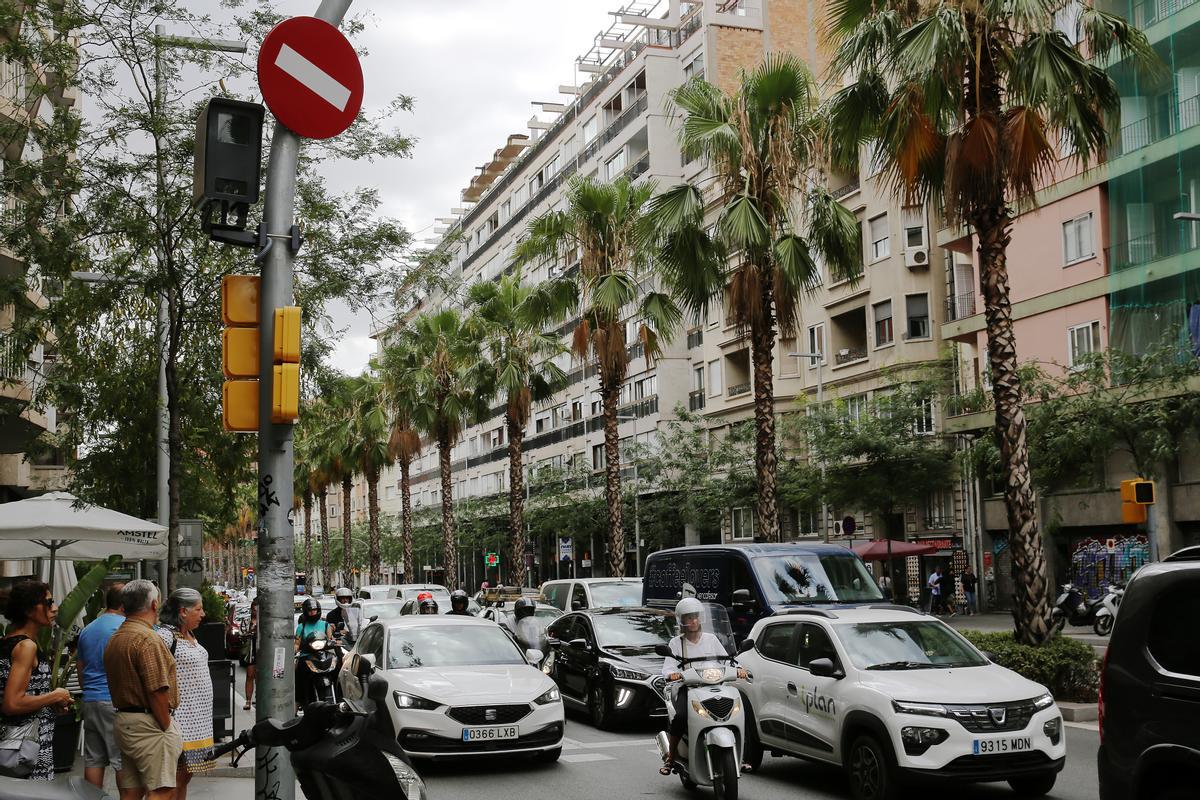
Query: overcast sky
[[473, 67]]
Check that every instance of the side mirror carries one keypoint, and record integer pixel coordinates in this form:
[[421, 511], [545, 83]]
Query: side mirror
[[372, 619], [746, 646], [662, 650], [534, 656], [742, 599], [576, 605], [377, 688], [580, 643], [366, 663], [553, 642], [823, 668]]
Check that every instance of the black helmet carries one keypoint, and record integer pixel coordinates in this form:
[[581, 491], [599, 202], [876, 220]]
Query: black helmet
[[459, 601], [310, 604], [429, 606], [524, 607]]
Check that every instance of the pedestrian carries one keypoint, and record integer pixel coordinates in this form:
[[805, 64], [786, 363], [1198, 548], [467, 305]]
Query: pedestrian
[[934, 584], [969, 583], [181, 615], [25, 671], [885, 586], [99, 747], [141, 679], [250, 654], [949, 593]]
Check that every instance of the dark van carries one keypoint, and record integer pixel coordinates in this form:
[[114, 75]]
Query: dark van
[[757, 580]]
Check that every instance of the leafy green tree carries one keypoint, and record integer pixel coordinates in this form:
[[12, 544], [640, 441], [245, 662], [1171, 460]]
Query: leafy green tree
[[604, 229], [516, 366], [401, 393], [966, 102], [763, 145]]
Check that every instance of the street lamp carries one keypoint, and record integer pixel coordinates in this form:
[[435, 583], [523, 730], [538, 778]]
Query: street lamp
[[817, 360], [637, 490]]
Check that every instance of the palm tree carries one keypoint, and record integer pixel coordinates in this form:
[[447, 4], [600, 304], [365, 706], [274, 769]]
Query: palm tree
[[402, 397], [605, 228], [445, 353], [762, 143], [967, 102], [370, 435], [303, 491], [322, 464], [344, 457], [517, 366]]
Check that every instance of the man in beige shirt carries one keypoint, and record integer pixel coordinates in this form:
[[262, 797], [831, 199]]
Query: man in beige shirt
[[141, 679]]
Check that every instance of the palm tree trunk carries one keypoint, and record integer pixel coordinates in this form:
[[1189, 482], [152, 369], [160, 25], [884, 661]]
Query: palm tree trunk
[[308, 561], [612, 481], [322, 507], [406, 532], [762, 344], [347, 551], [373, 549], [448, 547], [1031, 601], [516, 501]]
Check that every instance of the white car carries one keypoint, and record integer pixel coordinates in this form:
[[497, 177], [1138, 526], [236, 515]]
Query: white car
[[459, 686], [890, 694]]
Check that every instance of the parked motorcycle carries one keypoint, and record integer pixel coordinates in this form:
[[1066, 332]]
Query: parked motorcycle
[[338, 751], [320, 657], [711, 752], [1073, 607], [1106, 616]]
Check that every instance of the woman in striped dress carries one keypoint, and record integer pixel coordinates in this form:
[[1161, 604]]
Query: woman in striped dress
[[181, 615]]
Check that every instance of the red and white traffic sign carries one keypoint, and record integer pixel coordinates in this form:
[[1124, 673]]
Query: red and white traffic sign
[[310, 77]]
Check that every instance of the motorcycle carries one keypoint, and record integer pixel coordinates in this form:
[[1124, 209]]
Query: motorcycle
[[339, 752], [710, 754], [320, 658], [1073, 607], [1106, 616]]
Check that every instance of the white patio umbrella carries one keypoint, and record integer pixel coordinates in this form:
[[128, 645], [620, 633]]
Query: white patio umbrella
[[59, 525]]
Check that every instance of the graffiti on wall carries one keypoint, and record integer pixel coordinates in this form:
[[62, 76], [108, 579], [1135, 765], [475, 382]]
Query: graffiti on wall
[[1095, 563]]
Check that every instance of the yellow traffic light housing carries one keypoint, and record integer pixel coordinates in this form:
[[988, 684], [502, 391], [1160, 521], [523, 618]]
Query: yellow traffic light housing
[[239, 405], [1137, 491], [239, 299], [239, 353], [287, 335], [285, 401]]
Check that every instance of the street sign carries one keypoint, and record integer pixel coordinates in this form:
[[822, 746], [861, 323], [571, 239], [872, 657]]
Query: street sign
[[491, 559], [310, 77], [849, 526]]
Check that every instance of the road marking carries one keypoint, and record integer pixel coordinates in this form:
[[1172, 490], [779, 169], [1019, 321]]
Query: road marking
[[581, 757], [1083, 726], [313, 77], [575, 744]]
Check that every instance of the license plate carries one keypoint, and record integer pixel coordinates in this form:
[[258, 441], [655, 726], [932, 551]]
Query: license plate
[[1013, 744], [489, 734]]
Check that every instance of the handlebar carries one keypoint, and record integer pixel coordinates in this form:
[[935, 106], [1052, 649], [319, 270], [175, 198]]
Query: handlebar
[[244, 739]]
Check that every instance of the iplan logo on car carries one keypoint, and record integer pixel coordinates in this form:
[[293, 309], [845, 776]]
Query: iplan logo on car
[[817, 704]]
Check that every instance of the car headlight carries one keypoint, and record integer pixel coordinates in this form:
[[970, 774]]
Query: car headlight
[[407, 701], [627, 673], [409, 780], [1043, 702], [921, 709], [551, 695], [548, 663]]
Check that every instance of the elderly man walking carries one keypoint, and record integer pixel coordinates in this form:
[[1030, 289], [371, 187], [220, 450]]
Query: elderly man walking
[[141, 678], [99, 747]]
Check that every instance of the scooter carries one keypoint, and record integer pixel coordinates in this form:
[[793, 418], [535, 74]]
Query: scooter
[[339, 752], [1074, 608], [1106, 616], [321, 660]]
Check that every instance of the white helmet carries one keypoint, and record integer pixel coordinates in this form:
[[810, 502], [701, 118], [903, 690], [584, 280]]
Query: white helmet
[[686, 606]]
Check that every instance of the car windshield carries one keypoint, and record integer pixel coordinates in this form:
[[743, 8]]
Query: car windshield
[[633, 631], [920, 644], [618, 594], [382, 610], [543, 616], [451, 646], [809, 578]]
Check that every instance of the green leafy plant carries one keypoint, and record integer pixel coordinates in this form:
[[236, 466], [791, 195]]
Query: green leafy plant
[[214, 604], [53, 640], [1065, 666]]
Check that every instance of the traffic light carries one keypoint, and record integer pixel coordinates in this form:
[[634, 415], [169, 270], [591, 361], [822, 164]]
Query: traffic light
[[1137, 491], [285, 382], [239, 352]]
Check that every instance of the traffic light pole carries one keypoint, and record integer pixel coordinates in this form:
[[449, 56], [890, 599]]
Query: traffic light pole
[[274, 778]]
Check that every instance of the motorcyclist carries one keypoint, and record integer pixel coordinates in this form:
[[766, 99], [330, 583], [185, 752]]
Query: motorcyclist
[[460, 603], [531, 635], [428, 605], [310, 626], [691, 643], [345, 618]]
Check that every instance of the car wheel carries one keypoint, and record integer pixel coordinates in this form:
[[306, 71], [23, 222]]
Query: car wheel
[[1035, 786], [869, 768], [549, 756], [1104, 625], [598, 708], [725, 775], [687, 782]]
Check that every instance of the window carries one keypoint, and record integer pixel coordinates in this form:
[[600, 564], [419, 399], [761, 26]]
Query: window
[[694, 68], [1082, 340], [714, 378], [615, 165], [597, 404], [1066, 20], [884, 334], [814, 643], [856, 407], [506, 211], [816, 344], [698, 379], [789, 365], [577, 410], [542, 423], [551, 168], [875, 158], [917, 306], [591, 129], [1167, 641], [578, 597], [808, 520], [775, 642], [598, 457], [923, 424], [1078, 241], [939, 510], [913, 220], [881, 244], [742, 524]]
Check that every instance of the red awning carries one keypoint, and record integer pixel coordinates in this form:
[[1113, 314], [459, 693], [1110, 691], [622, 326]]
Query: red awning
[[881, 549]]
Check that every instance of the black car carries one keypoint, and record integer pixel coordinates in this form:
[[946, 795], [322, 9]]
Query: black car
[[604, 662], [1150, 686]]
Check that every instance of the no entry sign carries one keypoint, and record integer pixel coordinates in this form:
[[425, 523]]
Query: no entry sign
[[310, 77]]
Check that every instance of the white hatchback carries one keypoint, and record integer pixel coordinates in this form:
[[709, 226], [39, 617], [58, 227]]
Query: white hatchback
[[459, 686], [890, 694]]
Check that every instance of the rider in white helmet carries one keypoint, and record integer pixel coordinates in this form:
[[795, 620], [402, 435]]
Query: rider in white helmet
[[691, 643]]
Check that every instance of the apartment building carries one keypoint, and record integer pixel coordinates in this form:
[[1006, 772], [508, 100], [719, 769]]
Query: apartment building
[[1102, 262], [29, 465]]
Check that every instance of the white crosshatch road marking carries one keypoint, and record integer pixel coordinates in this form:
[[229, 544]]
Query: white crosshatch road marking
[[313, 77]]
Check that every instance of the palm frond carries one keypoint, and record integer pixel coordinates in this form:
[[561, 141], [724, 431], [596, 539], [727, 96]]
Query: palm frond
[[743, 225], [852, 118]]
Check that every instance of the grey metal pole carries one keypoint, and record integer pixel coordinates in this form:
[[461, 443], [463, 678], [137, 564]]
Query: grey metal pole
[[821, 401], [274, 778], [162, 427]]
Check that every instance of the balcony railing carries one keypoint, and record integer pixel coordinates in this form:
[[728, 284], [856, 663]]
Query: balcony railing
[[849, 188], [696, 400], [12, 360], [12, 81], [695, 338], [739, 389], [960, 306], [1146, 13], [848, 354], [1145, 132], [1151, 247], [639, 168]]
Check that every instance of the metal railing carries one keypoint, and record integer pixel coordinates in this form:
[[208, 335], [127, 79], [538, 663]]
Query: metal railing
[[846, 355], [1148, 12], [13, 81], [960, 306], [1148, 130], [1151, 247], [639, 168], [739, 389], [849, 188], [12, 360], [696, 400]]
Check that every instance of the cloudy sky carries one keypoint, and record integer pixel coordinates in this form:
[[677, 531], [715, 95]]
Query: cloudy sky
[[473, 68]]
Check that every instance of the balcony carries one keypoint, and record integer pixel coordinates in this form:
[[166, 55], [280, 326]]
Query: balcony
[[639, 168], [13, 82], [850, 188], [1177, 117], [1151, 247], [696, 400], [12, 360], [960, 306], [849, 355], [738, 390], [1145, 13]]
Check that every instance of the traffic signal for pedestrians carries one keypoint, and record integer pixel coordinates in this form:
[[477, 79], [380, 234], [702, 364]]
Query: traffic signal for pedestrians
[[1137, 491], [239, 352]]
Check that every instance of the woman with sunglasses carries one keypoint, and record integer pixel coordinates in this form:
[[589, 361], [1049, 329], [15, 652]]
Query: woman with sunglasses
[[25, 670]]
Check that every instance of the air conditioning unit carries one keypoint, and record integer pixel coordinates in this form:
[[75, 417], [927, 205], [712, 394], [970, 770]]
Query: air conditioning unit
[[916, 257]]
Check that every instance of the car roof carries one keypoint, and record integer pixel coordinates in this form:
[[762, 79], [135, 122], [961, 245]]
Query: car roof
[[591, 581], [854, 615], [780, 548], [437, 620], [612, 612]]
